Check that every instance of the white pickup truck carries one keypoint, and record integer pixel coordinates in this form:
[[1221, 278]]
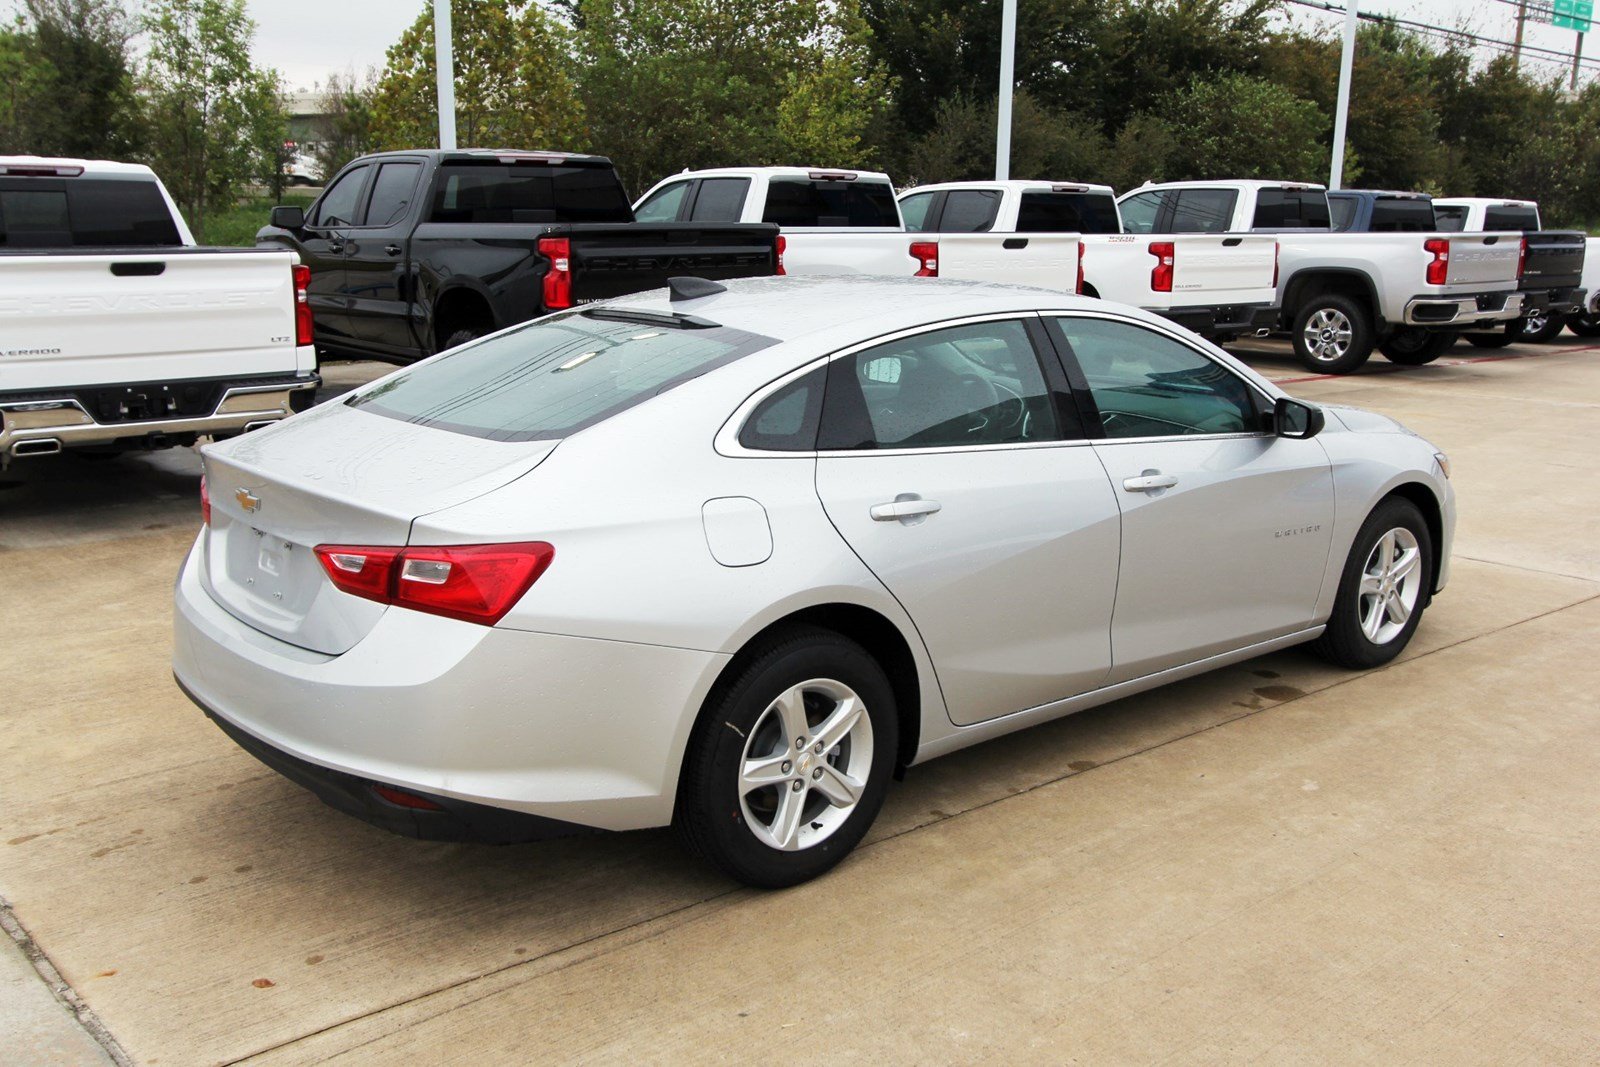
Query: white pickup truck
[[832, 221], [119, 333], [1342, 294], [1218, 285]]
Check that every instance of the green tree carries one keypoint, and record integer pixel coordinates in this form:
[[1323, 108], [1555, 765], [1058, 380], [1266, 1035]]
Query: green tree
[[1241, 127], [346, 122], [1044, 144], [514, 86], [216, 122], [68, 84]]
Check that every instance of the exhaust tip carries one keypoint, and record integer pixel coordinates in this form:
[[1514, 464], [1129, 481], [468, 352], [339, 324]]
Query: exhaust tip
[[40, 446], [1263, 332], [259, 424]]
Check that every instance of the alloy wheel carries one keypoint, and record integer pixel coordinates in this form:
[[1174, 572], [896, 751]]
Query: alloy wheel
[[1327, 335], [1391, 583]]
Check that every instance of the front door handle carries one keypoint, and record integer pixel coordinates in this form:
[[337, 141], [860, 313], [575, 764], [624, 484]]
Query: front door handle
[[1149, 480], [907, 508], [393, 250]]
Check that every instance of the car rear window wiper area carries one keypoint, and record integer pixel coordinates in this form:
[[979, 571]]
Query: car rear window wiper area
[[672, 320]]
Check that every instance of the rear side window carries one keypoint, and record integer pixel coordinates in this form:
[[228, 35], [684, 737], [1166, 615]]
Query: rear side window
[[1450, 219], [1292, 209], [528, 192], [1067, 213], [818, 202], [555, 376], [1203, 210], [720, 200], [969, 211], [1140, 211], [84, 213], [1525, 219], [1394, 214], [787, 420], [392, 193]]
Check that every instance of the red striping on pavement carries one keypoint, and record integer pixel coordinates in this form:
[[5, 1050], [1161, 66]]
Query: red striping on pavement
[[1394, 368]]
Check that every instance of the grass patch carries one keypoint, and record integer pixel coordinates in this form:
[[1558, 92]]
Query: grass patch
[[236, 227]]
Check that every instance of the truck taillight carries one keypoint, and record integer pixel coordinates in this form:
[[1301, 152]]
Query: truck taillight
[[1276, 249], [473, 583], [205, 502], [1522, 257], [783, 246], [926, 253], [302, 304], [1166, 253], [1438, 272], [1079, 290], [558, 279]]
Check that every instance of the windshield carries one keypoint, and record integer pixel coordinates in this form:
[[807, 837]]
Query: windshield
[[84, 213], [556, 376], [528, 192], [820, 202], [1087, 212], [1394, 214]]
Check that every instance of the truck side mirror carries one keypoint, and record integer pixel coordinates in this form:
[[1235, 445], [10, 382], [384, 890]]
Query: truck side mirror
[[289, 217], [1291, 418]]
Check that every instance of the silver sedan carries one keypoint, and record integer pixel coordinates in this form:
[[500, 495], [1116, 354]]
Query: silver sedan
[[729, 558]]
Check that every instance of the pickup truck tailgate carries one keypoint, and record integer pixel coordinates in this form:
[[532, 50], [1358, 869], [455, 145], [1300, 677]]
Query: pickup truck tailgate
[[97, 318], [1554, 260], [1228, 268], [1482, 258], [614, 259], [1048, 260]]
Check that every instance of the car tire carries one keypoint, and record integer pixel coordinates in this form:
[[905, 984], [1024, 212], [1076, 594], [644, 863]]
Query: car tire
[[461, 337], [1584, 325], [1366, 629], [1412, 346], [1332, 334], [1489, 340], [797, 821], [1536, 328]]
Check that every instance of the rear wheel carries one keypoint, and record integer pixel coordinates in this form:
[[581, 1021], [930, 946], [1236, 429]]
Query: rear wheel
[[1489, 340], [1412, 346], [788, 767], [461, 337], [1383, 589], [1585, 325], [1332, 334], [1536, 327]]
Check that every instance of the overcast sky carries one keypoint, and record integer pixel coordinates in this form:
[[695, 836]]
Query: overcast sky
[[306, 40]]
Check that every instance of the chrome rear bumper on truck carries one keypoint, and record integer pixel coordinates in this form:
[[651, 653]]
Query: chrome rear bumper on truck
[[1463, 310], [45, 422]]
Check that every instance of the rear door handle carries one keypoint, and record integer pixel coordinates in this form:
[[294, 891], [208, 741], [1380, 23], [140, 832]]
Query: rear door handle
[[907, 508], [1149, 480]]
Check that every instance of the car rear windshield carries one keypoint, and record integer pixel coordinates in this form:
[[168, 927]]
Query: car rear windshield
[[528, 192], [556, 376], [1292, 209], [1450, 219], [1068, 213], [1525, 219], [1396, 214], [820, 202], [84, 213]]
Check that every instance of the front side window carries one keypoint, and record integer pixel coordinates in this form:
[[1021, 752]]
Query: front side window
[[555, 376], [1147, 385], [978, 384], [830, 203], [1203, 211], [392, 193], [914, 210], [1139, 212], [720, 200], [1342, 210], [969, 211], [663, 204], [340, 204]]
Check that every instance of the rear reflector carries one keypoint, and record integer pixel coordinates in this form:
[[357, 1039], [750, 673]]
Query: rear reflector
[[404, 799], [558, 279], [926, 253], [473, 583], [302, 305]]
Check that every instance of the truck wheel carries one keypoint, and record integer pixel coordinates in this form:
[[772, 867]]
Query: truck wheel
[[1412, 346], [1536, 327], [1332, 334], [1489, 340], [461, 337], [1584, 325]]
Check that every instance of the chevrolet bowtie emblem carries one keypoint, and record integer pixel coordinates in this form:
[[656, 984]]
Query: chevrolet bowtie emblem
[[247, 500]]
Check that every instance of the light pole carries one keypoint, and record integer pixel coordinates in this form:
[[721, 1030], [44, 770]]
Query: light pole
[[445, 64], [1008, 56], [1341, 112]]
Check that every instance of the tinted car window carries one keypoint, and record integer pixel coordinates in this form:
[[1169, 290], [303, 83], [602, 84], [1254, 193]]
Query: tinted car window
[[1525, 219], [663, 204], [83, 212], [965, 385], [720, 200], [340, 205], [392, 192], [1450, 219], [1067, 213], [787, 420], [1394, 214], [914, 210], [1139, 212], [555, 376], [528, 192], [1342, 210], [969, 211], [815, 202], [1203, 211], [1148, 385], [1291, 209]]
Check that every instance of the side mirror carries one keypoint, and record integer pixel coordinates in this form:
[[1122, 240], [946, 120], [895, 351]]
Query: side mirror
[[1292, 418], [289, 217]]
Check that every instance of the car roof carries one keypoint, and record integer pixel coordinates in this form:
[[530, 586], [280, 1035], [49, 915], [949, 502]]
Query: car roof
[[1403, 194], [1234, 183], [1020, 184], [776, 172], [1483, 201], [89, 167]]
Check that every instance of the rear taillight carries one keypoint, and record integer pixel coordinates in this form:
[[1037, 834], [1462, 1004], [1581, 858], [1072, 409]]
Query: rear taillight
[[205, 502], [404, 799], [473, 583], [1438, 272], [1276, 248], [926, 253], [1079, 290], [783, 246], [558, 279], [302, 304], [1522, 258], [1161, 274]]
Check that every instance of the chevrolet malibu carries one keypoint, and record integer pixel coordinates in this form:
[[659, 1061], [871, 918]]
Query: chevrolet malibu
[[730, 558]]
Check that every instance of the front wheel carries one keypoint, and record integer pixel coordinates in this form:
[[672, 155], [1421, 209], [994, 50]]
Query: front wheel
[[1412, 346], [789, 765], [1383, 589], [1332, 334], [1584, 325]]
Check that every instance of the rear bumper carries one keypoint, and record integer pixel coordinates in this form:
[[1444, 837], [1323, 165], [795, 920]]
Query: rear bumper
[[38, 423], [1228, 320], [1569, 301], [1463, 310]]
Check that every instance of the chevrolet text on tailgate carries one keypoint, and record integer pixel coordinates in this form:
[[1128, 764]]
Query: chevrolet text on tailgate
[[119, 333], [1407, 294]]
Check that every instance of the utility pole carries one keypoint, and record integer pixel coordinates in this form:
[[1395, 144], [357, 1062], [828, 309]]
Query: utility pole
[[1341, 112], [445, 62], [1577, 51], [1008, 61], [1516, 49]]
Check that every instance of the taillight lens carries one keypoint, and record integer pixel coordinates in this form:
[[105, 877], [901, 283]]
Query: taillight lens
[[783, 245], [302, 304], [1161, 275], [1080, 268], [1438, 272], [926, 253], [1276, 248], [205, 502], [558, 279], [473, 583], [1522, 257]]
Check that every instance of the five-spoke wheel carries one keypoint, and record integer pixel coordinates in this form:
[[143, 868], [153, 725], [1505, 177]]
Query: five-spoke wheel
[[1383, 589]]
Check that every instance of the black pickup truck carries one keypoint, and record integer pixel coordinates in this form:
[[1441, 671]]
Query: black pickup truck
[[1552, 265], [414, 252]]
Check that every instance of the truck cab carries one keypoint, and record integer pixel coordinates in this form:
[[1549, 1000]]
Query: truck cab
[[1381, 211]]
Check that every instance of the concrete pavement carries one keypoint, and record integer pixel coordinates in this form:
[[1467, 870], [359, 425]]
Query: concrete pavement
[[1276, 861]]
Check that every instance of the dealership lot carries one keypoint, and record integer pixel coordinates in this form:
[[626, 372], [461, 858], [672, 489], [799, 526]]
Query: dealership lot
[[1279, 859]]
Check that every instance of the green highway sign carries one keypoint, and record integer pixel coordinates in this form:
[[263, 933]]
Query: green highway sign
[[1573, 15]]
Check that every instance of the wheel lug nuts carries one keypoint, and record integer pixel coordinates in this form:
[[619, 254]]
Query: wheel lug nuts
[[799, 742], [787, 766], [798, 785], [818, 748], [817, 773]]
